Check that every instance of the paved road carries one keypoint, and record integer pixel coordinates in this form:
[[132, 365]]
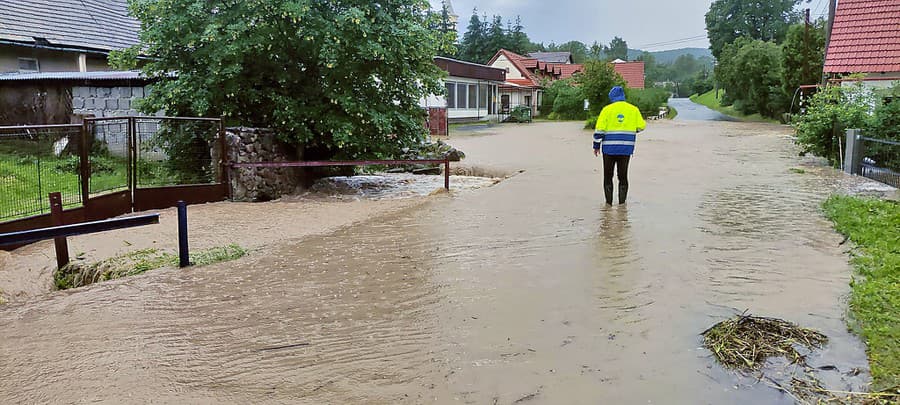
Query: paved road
[[529, 290], [691, 111]]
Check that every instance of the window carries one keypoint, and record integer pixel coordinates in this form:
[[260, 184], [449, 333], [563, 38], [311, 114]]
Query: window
[[451, 95], [461, 95], [473, 96], [483, 96], [28, 65], [528, 100]]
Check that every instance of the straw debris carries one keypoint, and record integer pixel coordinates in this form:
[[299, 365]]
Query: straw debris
[[745, 342]]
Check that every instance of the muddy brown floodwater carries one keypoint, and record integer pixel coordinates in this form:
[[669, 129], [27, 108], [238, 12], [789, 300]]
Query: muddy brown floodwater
[[529, 291]]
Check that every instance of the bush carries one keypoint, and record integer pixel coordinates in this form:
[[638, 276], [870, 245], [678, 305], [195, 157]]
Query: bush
[[569, 103], [832, 111], [99, 164], [648, 100]]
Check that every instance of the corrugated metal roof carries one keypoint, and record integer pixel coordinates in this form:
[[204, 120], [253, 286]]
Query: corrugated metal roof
[[552, 57], [865, 37], [93, 24], [113, 75]]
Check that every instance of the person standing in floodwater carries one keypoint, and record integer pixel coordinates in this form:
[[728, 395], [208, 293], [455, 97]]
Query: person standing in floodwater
[[614, 137]]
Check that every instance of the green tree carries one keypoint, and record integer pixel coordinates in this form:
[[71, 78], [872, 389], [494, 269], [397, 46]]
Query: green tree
[[617, 49], [802, 56], [597, 79], [832, 111], [343, 77], [518, 39], [568, 104], [447, 30], [578, 50], [750, 72], [595, 52], [473, 45], [767, 20], [496, 38]]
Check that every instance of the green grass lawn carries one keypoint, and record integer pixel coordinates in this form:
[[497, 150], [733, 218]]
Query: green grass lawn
[[26, 180], [709, 99], [874, 227]]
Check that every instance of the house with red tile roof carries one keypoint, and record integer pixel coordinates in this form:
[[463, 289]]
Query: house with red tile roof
[[865, 39], [632, 72], [526, 76]]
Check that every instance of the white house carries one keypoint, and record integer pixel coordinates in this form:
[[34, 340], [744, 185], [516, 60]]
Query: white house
[[472, 90]]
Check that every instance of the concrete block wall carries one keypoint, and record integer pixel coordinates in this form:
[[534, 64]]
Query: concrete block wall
[[106, 101]]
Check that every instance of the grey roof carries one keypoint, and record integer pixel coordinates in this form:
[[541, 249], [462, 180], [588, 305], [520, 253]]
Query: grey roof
[[101, 25], [552, 57], [111, 75]]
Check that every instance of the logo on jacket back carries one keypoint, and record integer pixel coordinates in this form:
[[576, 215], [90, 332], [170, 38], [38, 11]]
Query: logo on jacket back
[[621, 118]]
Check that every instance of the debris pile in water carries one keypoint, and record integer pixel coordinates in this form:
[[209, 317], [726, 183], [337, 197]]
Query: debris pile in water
[[745, 342]]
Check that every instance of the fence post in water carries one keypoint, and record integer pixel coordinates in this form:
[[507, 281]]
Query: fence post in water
[[56, 217], [447, 174], [183, 256], [853, 152]]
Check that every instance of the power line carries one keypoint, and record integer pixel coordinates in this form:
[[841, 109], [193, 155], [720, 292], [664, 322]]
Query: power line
[[673, 41]]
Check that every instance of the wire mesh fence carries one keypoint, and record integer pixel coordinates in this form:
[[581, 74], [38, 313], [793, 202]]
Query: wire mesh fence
[[36, 161], [881, 160], [173, 152], [122, 154]]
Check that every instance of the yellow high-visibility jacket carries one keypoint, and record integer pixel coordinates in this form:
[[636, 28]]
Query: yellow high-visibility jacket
[[617, 128]]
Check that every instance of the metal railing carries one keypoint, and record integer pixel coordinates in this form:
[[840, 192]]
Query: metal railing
[[874, 158]]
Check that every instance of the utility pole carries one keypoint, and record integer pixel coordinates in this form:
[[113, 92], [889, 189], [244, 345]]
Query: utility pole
[[832, 5]]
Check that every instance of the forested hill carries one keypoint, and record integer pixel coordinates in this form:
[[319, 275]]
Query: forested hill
[[667, 57]]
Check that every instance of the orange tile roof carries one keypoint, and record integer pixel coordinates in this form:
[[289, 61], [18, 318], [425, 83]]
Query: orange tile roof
[[632, 72], [533, 70], [865, 37]]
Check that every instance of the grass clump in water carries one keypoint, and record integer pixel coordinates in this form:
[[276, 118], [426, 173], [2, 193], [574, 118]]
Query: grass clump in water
[[134, 263], [745, 342], [874, 227]]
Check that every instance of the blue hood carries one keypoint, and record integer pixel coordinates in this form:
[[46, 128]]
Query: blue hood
[[617, 94]]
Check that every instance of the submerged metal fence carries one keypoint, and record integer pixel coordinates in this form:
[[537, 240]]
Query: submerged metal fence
[[35, 161], [109, 166], [874, 158]]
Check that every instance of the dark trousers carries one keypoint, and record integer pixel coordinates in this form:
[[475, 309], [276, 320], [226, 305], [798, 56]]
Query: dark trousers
[[620, 164]]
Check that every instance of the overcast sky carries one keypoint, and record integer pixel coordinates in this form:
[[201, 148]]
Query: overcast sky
[[645, 24]]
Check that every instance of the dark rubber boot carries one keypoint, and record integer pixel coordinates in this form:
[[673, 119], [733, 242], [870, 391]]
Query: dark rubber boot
[[623, 193], [608, 190]]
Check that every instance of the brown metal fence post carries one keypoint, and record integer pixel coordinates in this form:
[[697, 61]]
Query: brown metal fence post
[[85, 156], [56, 216], [447, 174], [223, 153]]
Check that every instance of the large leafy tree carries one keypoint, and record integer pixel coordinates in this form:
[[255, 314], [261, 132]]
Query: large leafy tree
[[751, 73], [767, 20], [617, 49], [802, 56], [344, 76]]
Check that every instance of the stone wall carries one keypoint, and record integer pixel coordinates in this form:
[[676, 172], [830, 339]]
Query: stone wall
[[106, 101], [246, 145]]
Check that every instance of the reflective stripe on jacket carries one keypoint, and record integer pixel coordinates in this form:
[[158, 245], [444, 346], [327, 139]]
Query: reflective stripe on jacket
[[617, 127]]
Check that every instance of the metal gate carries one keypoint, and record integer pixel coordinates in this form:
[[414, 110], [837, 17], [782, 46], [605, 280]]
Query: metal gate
[[167, 159], [107, 167]]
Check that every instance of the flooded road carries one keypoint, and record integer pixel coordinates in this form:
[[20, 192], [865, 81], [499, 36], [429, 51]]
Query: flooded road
[[530, 291], [691, 111]]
